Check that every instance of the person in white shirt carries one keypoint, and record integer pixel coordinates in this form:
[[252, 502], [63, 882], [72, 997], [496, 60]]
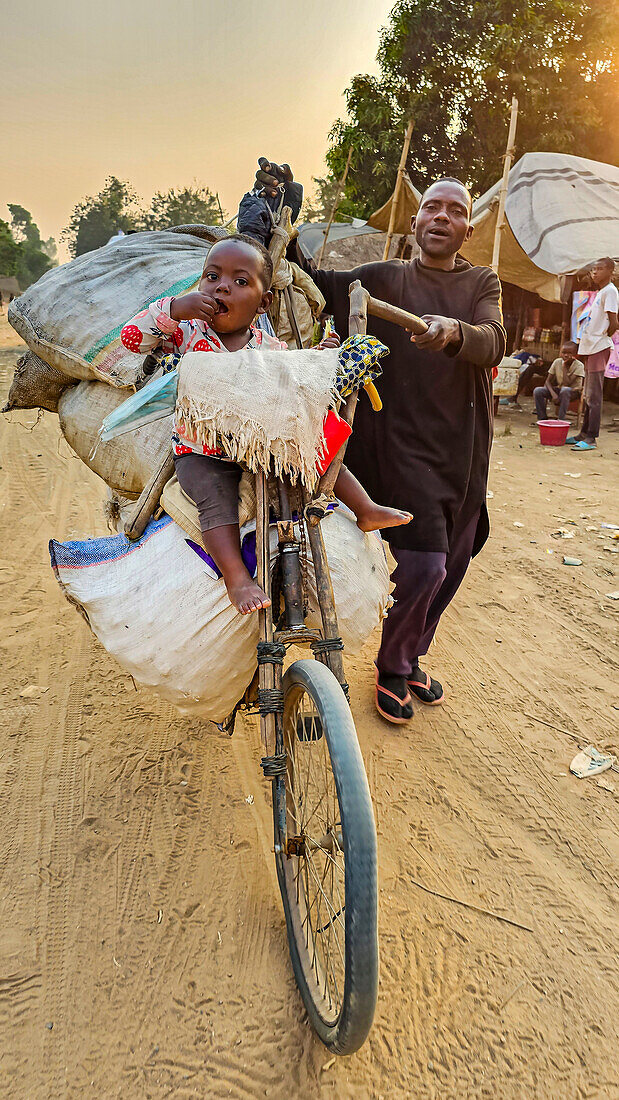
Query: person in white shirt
[[594, 349]]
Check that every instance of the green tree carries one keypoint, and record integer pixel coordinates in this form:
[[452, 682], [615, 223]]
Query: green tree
[[35, 256], [454, 67], [97, 218], [9, 251], [183, 206]]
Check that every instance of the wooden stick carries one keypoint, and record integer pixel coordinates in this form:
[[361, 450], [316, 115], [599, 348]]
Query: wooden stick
[[326, 599], [149, 499], [357, 324], [512, 994], [265, 615], [559, 729], [280, 237], [507, 163], [338, 194], [397, 316], [469, 905], [395, 200]]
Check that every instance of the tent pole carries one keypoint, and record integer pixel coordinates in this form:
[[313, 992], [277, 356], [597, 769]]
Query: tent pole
[[340, 188], [520, 323], [507, 163], [395, 201]]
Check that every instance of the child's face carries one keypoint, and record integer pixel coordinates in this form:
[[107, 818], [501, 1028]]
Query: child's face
[[233, 277]]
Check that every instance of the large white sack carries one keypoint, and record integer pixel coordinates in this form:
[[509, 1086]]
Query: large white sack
[[125, 463], [357, 562], [359, 575], [168, 623], [73, 315], [171, 625]]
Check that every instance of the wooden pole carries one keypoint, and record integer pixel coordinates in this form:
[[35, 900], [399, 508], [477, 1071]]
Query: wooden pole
[[507, 163], [395, 201], [338, 193]]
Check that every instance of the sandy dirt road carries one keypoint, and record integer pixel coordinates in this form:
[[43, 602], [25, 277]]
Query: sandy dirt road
[[142, 949]]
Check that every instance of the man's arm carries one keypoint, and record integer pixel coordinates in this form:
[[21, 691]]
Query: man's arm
[[613, 325], [482, 341]]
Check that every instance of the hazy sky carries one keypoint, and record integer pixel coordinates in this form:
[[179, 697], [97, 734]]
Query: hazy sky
[[167, 93]]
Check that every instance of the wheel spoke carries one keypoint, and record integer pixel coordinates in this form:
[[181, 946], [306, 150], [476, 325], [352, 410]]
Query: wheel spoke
[[318, 871]]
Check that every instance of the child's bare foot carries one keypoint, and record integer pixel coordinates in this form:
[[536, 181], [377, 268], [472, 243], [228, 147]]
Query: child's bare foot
[[245, 594], [375, 518]]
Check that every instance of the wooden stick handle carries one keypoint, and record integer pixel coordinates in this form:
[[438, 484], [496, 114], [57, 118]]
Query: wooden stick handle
[[149, 499], [397, 316]]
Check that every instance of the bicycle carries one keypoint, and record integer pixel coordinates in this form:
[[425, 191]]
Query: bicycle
[[324, 831]]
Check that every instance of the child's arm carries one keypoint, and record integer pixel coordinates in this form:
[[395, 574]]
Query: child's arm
[[152, 328], [158, 326]]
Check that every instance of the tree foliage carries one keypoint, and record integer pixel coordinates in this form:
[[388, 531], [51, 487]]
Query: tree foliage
[[98, 217], [9, 251], [34, 256], [454, 67], [184, 206]]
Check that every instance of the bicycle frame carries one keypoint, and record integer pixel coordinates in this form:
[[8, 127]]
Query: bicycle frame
[[326, 644]]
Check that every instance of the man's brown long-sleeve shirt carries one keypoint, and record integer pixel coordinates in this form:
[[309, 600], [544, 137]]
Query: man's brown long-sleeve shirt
[[428, 450]]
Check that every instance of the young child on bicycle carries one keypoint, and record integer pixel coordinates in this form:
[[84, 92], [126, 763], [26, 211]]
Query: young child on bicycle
[[218, 316]]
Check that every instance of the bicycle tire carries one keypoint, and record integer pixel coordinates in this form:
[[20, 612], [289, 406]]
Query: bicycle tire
[[342, 1026]]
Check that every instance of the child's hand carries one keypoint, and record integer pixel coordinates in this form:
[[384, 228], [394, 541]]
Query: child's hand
[[332, 341], [193, 307]]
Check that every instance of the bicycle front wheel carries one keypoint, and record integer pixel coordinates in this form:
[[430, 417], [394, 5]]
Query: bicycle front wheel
[[326, 861]]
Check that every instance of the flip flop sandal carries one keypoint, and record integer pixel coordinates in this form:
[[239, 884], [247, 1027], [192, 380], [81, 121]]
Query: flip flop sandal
[[582, 446], [428, 686], [396, 698]]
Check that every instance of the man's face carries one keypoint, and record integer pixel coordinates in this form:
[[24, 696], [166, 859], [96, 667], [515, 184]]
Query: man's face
[[442, 223], [233, 276], [567, 355], [600, 273]]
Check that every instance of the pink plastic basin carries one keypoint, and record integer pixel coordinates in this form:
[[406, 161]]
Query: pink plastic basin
[[553, 433]]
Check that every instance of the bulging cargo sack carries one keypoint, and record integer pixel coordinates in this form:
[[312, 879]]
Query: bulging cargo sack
[[359, 575], [125, 463], [155, 607], [357, 561], [36, 385], [73, 315]]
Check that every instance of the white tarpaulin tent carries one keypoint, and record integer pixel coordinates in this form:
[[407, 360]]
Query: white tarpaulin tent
[[562, 212]]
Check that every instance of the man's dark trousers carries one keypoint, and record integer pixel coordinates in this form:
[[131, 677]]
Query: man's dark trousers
[[425, 583]]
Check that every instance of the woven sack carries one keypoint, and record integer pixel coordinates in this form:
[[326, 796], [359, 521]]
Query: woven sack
[[73, 315], [125, 463], [155, 608], [35, 385], [357, 562], [167, 622]]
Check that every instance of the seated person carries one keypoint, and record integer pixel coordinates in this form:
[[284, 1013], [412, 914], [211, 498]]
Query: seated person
[[532, 365], [218, 317], [563, 384]]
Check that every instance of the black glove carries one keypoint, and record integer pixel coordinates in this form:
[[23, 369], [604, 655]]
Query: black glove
[[272, 182], [254, 219], [271, 178]]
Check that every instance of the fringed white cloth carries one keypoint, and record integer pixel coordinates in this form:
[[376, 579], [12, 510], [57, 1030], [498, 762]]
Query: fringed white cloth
[[259, 406]]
